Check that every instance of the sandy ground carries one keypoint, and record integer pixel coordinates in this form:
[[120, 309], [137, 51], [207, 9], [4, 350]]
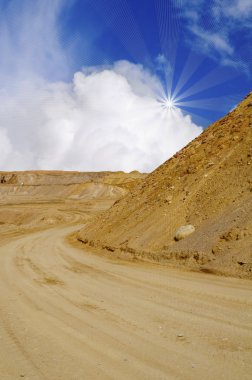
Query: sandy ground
[[69, 314]]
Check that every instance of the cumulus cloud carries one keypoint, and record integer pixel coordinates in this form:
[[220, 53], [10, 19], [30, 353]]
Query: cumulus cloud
[[105, 118]]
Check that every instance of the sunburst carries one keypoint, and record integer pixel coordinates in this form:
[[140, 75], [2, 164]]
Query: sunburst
[[168, 103]]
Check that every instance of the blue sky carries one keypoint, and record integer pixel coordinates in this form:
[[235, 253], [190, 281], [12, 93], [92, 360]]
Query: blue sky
[[209, 40], [131, 80]]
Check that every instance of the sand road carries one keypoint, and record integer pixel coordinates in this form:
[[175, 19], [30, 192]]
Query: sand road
[[69, 314]]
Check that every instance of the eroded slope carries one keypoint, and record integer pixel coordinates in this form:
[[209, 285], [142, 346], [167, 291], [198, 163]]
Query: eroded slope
[[207, 184]]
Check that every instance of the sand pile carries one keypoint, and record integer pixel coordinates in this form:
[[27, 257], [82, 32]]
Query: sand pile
[[207, 185]]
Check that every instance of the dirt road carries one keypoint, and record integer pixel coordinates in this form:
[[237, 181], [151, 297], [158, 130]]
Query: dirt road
[[69, 314]]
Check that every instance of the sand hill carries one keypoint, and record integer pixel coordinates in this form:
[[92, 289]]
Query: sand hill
[[208, 184]]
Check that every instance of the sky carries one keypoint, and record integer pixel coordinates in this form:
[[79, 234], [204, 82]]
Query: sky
[[94, 85]]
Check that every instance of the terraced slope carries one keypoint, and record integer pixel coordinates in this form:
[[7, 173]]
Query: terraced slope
[[35, 199]]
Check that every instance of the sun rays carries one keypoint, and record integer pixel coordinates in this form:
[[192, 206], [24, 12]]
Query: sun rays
[[168, 103]]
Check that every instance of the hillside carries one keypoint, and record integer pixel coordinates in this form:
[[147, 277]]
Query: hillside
[[34, 199], [208, 184]]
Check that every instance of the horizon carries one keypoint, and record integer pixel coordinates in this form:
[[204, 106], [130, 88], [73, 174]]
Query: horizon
[[54, 171]]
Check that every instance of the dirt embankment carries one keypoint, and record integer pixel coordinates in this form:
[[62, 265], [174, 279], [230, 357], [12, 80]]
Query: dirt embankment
[[208, 184]]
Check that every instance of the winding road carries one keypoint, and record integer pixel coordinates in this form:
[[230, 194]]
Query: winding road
[[69, 314]]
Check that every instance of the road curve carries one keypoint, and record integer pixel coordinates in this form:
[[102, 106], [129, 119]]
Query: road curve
[[69, 314]]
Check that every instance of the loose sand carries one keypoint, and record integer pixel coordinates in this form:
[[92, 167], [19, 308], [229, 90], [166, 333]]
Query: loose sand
[[69, 314]]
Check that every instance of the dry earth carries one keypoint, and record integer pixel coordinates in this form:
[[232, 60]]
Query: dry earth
[[208, 184], [32, 200], [69, 313]]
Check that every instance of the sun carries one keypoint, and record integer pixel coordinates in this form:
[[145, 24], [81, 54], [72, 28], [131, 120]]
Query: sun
[[168, 103]]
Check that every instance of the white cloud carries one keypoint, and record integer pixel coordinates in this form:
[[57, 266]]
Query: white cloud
[[213, 40], [237, 9], [107, 119], [213, 25], [30, 40]]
